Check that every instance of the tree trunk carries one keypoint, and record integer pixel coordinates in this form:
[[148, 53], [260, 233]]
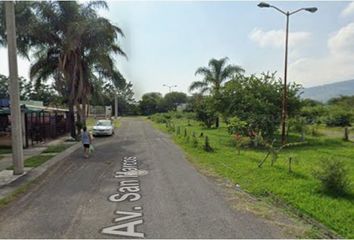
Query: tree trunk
[[217, 122], [71, 119]]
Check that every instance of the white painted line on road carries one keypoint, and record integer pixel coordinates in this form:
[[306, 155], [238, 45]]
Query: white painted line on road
[[128, 190]]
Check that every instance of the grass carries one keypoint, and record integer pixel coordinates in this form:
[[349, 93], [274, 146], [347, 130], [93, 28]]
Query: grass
[[18, 192], [116, 123], [34, 161], [299, 189], [39, 159], [57, 148]]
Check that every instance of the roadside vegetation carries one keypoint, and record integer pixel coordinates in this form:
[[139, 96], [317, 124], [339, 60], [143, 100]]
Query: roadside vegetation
[[231, 127], [301, 187], [56, 148], [43, 157]]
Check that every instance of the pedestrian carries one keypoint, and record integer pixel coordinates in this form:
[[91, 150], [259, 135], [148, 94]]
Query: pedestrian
[[86, 141]]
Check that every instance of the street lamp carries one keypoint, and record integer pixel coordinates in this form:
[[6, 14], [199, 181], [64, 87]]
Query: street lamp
[[169, 86], [284, 101]]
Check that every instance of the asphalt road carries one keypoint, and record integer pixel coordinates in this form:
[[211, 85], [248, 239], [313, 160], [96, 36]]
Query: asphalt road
[[105, 197]]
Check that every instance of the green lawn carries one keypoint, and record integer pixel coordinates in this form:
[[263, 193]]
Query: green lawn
[[57, 148], [35, 161], [298, 189], [39, 159]]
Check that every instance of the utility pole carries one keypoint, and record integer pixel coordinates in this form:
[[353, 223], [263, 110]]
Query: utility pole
[[15, 109], [285, 87]]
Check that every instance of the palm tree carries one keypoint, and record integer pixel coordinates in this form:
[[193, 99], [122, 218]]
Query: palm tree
[[74, 45], [214, 76]]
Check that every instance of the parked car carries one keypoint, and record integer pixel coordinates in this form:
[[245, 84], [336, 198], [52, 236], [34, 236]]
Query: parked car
[[103, 127]]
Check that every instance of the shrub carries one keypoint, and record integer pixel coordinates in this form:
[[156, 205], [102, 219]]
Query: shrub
[[237, 126], [333, 176], [240, 141], [298, 125], [159, 118], [339, 118]]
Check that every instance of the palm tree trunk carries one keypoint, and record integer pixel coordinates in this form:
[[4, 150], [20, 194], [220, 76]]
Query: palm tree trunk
[[71, 119]]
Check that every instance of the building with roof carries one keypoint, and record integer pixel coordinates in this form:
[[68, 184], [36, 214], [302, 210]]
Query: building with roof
[[39, 122]]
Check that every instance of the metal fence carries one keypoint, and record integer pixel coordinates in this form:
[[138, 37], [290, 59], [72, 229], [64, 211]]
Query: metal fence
[[44, 125]]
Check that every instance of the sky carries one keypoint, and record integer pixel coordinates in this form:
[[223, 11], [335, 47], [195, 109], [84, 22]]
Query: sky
[[166, 41]]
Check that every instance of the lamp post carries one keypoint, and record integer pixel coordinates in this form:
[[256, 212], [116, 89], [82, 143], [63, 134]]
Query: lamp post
[[169, 86], [285, 87]]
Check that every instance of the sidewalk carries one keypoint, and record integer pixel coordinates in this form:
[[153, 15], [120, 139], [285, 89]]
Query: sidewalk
[[6, 176]]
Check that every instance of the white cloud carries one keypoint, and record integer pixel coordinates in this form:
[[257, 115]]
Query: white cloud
[[349, 10], [342, 43], [276, 38], [337, 65]]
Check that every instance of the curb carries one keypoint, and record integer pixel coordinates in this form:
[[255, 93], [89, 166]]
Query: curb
[[35, 173]]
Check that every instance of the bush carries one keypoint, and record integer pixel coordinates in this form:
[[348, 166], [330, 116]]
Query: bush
[[333, 176], [161, 117], [240, 141], [339, 118], [237, 126]]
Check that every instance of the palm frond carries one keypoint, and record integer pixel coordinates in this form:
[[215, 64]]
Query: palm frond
[[231, 70], [197, 85], [203, 71]]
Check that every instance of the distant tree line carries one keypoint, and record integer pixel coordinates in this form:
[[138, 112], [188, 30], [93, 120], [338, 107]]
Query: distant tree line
[[249, 104]]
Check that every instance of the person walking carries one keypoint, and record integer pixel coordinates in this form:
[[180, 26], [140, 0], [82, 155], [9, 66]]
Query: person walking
[[86, 141]]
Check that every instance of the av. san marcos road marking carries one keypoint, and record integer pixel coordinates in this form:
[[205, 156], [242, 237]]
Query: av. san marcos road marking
[[126, 221]]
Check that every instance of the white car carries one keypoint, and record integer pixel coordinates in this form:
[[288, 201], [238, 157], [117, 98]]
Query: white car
[[103, 127]]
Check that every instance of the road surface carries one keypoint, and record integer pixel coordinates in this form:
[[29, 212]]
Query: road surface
[[137, 184]]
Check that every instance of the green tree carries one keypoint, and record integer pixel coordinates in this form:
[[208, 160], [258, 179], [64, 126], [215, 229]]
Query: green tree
[[73, 44], [214, 76], [257, 101], [173, 99], [150, 103], [204, 111], [28, 91]]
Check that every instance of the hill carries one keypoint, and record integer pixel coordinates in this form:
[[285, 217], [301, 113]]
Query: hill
[[325, 92]]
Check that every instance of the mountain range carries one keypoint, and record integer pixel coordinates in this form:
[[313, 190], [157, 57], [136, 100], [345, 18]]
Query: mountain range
[[325, 92]]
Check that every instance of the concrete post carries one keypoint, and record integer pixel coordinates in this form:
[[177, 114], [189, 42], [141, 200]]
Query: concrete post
[[16, 129]]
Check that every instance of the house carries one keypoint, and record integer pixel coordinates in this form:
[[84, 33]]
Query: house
[[39, 122]]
